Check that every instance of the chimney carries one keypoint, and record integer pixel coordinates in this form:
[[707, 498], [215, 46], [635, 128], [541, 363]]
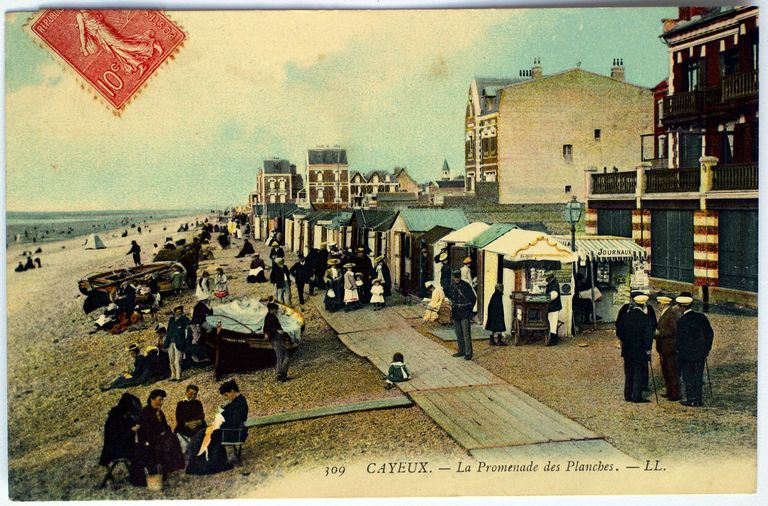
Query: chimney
[[536, 70], [617, 71], [686, 13]]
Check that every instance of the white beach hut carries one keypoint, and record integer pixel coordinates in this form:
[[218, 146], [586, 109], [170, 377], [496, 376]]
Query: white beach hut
[[94, 242]]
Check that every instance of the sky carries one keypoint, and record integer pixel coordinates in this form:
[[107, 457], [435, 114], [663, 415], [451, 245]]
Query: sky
[[389, 86]]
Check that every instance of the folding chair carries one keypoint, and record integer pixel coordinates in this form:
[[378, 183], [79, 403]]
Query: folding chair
[[234, 438]]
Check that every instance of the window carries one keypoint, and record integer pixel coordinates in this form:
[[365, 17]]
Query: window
[[755, 55], [282, 199], [489, 147], [690, 150], [568, 152], [726, 147], [271, 184], [469, 147], [567, 188], [694, 75], [490, 177], [729, 62], [282, 184], [660, 111], [661, 146], [272, 199], [319, 177], [320, 195], [597, 135]]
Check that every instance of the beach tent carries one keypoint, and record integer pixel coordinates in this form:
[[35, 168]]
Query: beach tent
[[94, 242]]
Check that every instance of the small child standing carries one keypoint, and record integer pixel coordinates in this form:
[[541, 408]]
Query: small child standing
[[397, 371], [377, 294]]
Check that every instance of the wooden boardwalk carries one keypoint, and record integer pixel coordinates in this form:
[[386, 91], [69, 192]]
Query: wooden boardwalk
[[492, 419]]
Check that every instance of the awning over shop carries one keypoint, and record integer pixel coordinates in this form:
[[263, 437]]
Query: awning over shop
[[527, 245], [604, 247], [491, 234], [466, 233]]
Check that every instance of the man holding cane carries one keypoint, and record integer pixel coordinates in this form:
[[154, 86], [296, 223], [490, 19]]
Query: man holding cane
[[694, 341]]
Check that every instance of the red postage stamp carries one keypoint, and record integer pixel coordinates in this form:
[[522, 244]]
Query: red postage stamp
[[116, 51]]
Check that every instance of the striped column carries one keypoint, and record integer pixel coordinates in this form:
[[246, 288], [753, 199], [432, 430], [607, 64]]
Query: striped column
[[590, 222], [705, 240], [641, 229]]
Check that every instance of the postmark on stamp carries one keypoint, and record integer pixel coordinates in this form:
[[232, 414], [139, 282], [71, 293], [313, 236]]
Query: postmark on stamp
[[115, 51]]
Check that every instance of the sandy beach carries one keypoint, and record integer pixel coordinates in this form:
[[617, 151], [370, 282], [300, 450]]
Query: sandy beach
[[56, 411]]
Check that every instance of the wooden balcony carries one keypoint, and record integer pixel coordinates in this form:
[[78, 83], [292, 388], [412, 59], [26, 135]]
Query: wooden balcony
[[673, 180], [690, 103], [740, 86], [614, 183], [735, 177]]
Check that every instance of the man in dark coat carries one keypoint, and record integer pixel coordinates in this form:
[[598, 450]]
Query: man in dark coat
[[274, 332], [176, 340], [555, 305], [445, 273], [235, 414], [694, 342], [275, 252], [190, 417], [364, 267], [120, 430], [634, 330], [136, 252], [129, 379], [666, 335], [494, 321], [462, 301], [280, 277], [301, 272]]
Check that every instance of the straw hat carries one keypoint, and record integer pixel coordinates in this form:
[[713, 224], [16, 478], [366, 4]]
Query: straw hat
[[361, 249], [467, 260], [275, 244], [333, 261], [349, 265], [663, 299], [443, 256], [378, 258], [132, 347], [640, 299], [684, 298], [323, 244], [429, 284]]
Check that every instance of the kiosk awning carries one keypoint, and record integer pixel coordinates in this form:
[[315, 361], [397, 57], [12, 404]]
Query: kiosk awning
[[527, 245], [604, 247], [466, 233]]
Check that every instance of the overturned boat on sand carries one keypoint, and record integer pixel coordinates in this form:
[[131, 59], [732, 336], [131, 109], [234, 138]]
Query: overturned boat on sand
[[97, 287], [236, 337]]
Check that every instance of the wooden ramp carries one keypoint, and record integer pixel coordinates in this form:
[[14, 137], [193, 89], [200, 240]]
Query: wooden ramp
[[492, 419], [399, 401]]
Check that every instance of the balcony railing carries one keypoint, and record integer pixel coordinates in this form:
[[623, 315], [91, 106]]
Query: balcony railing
[[618, 182], [673, 180], [690, 103], [735, 177], [740, 85]]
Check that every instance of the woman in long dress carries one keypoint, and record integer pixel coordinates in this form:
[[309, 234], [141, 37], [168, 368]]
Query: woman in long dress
[[333, 286], [220, 284], [436, 299], [158, 448], [206, 453], [494, 320], [351, 296], [203, 289]]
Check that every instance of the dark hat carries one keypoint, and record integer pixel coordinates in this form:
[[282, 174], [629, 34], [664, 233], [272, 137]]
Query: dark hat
[[272, 305], [160, 328], [229, 386], [301, 256], [193, 387], [178, 307], [456, 274]]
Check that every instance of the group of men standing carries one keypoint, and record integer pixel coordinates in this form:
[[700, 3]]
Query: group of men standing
[[683, 340]]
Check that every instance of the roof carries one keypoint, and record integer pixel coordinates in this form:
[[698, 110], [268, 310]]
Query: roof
[[445, 165], [340, 219], [392, 196], [322, 215], [421, 220], [336, 155], [575, 70], [466, 233], [277, 166], [434, 234], [604, 247], [280, 210], [490, 234], [378, 220], [523, 245], [451, 183], [488, 87], [711, 14]]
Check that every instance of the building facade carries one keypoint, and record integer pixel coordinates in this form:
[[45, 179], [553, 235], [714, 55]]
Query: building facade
[[328, 178], [511, 136], [697, 216], [276, 183]]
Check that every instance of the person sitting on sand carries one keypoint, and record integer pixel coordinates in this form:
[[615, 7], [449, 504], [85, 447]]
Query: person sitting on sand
[[38, 262], [132, 378], [256, 273], [20, 268], [29, 264], [397, 371]]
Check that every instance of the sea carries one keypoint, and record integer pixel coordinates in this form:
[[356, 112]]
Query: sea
[[37, 227]]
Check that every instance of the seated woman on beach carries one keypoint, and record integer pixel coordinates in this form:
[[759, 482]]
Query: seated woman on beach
[[158, 445], [203, 289], [256, 274], [220, 285], [206, 453]]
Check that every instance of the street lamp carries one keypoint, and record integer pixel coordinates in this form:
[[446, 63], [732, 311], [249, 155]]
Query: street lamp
[[573, 211]]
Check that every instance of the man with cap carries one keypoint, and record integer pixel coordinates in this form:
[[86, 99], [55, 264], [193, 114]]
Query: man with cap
[[275, 252], [132, 378], [665, 335], [176, 340], [466, 275], [694, 342], [277, 337], [317, 259], [555, 305], [301, 272], [445, 272], [462, 300], [190, 417], [280, 277], [634, 330], [651, 314]]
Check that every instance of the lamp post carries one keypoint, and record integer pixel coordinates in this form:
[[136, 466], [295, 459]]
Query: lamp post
[[572, 212]]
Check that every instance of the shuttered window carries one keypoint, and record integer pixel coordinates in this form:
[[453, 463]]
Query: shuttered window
[[737, 250], [616, 222], [672, 245]]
